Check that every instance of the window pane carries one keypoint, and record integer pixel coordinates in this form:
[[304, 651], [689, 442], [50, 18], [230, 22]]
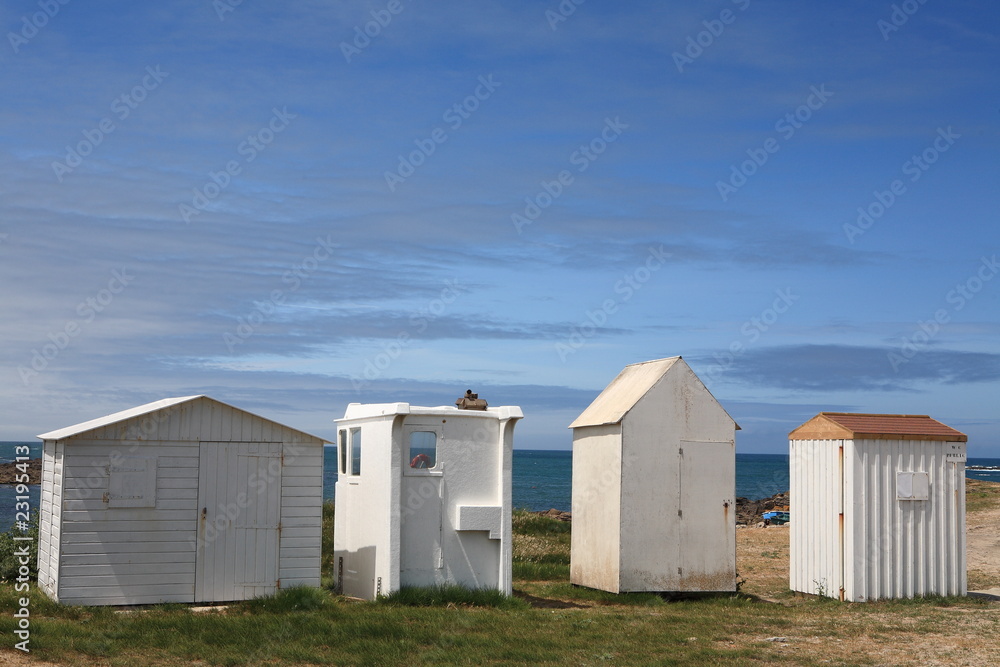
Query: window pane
[[342, 451], [423, 449], [355, 451]]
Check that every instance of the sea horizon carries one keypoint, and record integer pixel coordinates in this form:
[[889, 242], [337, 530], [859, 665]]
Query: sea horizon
[[542, 478]]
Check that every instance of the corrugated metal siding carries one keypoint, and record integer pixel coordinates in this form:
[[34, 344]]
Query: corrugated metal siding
[[904, 548], [815, 560]]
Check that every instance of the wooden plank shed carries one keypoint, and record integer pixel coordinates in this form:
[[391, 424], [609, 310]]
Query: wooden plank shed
[[180, 500], [654, 485]]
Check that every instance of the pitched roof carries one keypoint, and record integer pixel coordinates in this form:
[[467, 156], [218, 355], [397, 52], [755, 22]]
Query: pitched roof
[[635, 380], [836, 425], [138, 411]]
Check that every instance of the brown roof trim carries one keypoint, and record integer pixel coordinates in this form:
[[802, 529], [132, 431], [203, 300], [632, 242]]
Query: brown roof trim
[[874, 426]]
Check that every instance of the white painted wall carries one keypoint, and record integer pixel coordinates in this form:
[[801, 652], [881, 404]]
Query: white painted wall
[[398, 526], [122, 512], [670, 518], [597, 509]]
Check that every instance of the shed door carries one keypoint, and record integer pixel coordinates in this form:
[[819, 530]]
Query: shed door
[[707, 523], [421, 556], [239, 493]]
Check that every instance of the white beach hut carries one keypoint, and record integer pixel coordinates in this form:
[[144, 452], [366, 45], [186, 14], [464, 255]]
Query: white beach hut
[[654, 475], [877, 507], [423, 498], [180, 500]]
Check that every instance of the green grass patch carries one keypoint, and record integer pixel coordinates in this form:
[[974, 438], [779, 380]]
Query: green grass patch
[[524, 522], [440, 596], [295, 599], [528, 571]]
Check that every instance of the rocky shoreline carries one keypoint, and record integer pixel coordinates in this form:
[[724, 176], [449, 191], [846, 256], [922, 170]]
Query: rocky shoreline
[[9, 472], [748, 512]]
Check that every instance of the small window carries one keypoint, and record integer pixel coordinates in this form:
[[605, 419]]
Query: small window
[[342, 450], [912, 486], [423, 449], [355, 451]]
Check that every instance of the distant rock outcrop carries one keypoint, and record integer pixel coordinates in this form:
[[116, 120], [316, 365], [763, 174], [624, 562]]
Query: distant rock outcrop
[[749, 512], [9, 472]]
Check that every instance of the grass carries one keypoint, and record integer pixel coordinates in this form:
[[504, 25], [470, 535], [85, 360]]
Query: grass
[[548, 622]]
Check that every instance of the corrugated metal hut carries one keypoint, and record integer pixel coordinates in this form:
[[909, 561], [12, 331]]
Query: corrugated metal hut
[[877, 507], [180, 500], [423, 498], [654, 476]]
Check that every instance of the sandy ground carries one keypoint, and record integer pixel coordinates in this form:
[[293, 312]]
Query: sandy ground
[[982, 550]]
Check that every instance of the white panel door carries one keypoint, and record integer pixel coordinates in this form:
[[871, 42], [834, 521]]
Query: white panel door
[[239, 491], [707, 520]]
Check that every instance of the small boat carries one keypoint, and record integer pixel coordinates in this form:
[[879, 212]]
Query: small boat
[[777, 517]]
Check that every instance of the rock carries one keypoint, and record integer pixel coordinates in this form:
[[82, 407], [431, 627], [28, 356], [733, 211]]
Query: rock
[[559, 515], [9, 472], [749, 511]]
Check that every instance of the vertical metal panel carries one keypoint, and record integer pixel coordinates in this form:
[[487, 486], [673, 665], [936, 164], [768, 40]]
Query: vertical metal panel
[[905, 548], [815, 554]]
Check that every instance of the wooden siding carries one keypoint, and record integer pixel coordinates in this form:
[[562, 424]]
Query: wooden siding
[[199, 420], [50, 518], [138, 555], [95, 554], [299, 554]]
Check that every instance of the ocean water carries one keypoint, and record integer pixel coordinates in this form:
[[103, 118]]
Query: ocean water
[[541, 478]]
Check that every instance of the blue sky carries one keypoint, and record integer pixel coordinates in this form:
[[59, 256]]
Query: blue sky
[[262, 202]]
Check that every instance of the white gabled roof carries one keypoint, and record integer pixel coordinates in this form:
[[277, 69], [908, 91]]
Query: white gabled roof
[[634, 382], [612, 404], [139, 411]]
